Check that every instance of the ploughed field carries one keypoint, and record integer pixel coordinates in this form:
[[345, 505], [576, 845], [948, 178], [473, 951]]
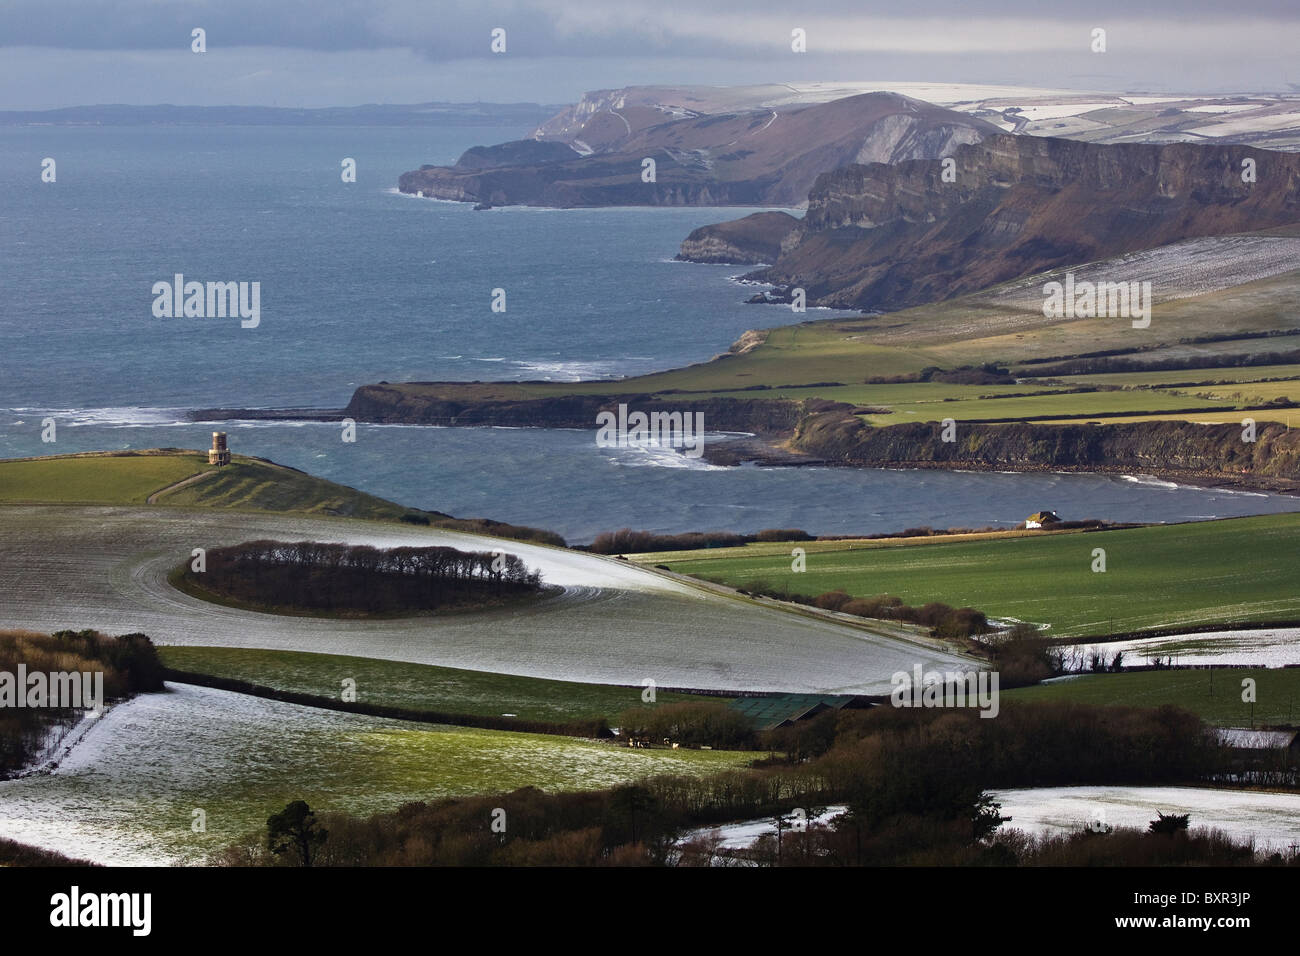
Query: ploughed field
[[615, 623]]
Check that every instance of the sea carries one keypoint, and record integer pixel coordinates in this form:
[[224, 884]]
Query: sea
[[361, 284]]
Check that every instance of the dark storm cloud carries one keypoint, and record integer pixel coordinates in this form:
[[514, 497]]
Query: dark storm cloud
[[346, 52], [452, 29]]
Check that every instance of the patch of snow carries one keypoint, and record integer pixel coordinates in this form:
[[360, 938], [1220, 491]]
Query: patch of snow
[[1271, 819]]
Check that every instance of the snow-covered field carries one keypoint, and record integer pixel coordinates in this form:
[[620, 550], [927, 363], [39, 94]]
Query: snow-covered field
[[616, 623], [1178, 271], [1272, 819], [1264, 647], [126, 794]]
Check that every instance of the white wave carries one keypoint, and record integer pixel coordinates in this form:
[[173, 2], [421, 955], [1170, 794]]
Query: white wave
[[574, 371], [394, 191], [113, 416], [653, 454], [1150, 481]]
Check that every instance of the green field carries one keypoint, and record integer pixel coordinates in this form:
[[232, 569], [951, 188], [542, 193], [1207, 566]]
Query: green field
[[95, 479], [177, 478], [424, 687], [122, 478], [1211, 572], [1047, 405], [1214, 695], [261, 486], [1204, 376], [1247, 392]]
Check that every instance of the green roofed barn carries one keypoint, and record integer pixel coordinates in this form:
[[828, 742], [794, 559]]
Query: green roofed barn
[[782, 710]]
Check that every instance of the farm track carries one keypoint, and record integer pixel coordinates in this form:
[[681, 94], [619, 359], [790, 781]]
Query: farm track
[[177, 486]]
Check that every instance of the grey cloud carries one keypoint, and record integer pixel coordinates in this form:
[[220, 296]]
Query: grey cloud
[[454, 29]]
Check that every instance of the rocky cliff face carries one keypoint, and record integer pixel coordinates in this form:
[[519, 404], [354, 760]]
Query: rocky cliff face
[[765, 157], [395, 404], [753, 240], [1163, 447], [886, 237]]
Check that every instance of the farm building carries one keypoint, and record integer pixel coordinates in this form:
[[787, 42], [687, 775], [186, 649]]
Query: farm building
[[1042, 519], [783, 710]]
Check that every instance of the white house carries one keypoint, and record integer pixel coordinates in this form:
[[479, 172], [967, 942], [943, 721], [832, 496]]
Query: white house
[[1042, 519]]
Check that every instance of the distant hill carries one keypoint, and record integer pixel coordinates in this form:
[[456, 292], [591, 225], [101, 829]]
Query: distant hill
[[593, 154]]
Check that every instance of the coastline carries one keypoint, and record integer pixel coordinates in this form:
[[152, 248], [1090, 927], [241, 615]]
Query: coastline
[[772, 451], [759, 453]]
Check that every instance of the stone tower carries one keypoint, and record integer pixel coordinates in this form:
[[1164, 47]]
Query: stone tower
[[218, 454]]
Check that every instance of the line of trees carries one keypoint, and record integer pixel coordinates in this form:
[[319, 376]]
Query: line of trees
[[312, 575], [627, 541], [1101, 364], [943, 620]]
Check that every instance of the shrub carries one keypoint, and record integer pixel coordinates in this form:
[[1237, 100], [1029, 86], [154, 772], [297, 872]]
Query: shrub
[[783, 534]]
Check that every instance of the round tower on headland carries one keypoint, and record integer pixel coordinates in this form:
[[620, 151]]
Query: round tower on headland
[[218, 454]]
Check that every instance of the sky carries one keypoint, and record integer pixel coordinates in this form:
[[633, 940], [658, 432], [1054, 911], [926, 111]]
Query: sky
[[315, 53]]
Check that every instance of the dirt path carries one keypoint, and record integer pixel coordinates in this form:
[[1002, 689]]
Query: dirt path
[[177, 486]]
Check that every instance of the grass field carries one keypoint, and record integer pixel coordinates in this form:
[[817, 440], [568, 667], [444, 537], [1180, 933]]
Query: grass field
[[1285, 416], [262, 486], [94, 479], [1246, 392], [1214, 695], [1211, 572], [114, 478], [415, 686], [1194, 376], [1030, 407]]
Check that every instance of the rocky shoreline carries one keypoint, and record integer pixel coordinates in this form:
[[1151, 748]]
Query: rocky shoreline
[[756, 452], [793, 435]]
